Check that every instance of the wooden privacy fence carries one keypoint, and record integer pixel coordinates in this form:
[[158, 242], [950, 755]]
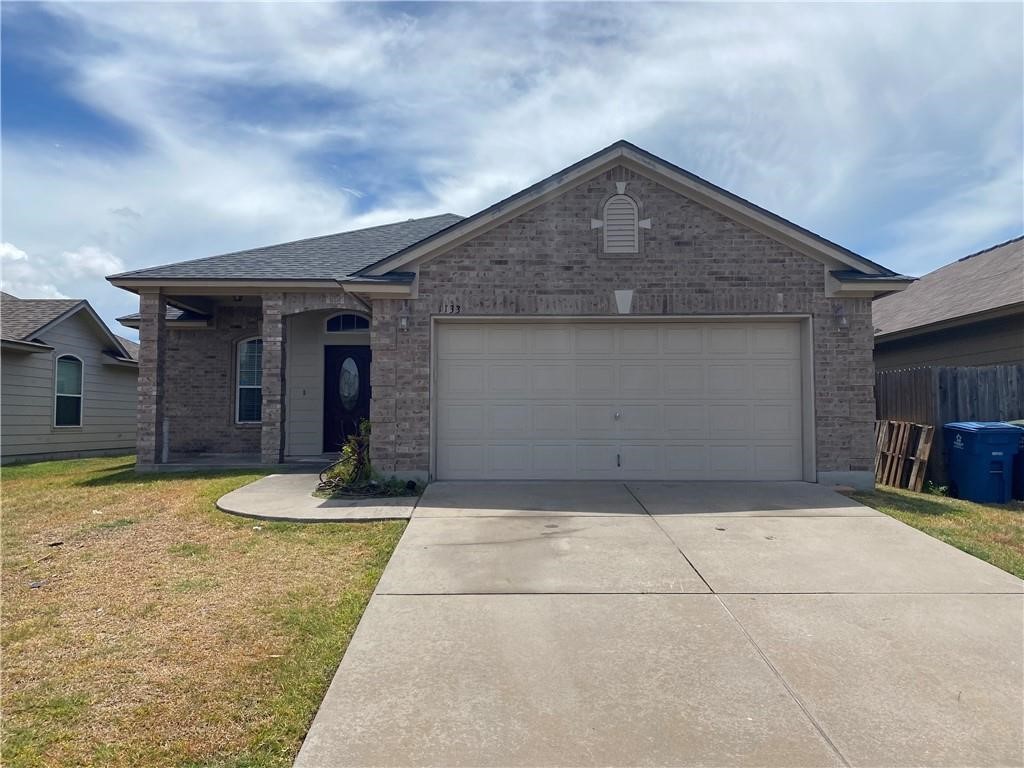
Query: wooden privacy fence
[[937, 395]]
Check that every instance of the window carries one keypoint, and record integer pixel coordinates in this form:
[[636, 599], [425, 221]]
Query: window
[[67, 405], [621, 222], [250, 381], [347, 322]]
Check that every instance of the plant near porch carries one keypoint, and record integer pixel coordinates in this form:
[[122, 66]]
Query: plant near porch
[[352, 475]]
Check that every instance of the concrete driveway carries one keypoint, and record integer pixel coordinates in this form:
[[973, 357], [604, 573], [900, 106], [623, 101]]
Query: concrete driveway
[[696, 624]]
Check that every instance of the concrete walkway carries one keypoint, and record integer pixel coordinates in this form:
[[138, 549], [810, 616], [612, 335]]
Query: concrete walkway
[[603, 624], [289, 497]]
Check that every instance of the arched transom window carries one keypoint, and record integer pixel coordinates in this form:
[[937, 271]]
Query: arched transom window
[[67, 392], [347, 322], [621, 223]]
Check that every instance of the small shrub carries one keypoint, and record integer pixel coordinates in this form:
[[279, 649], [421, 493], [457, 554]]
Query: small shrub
[[353, 469], [936, 490]]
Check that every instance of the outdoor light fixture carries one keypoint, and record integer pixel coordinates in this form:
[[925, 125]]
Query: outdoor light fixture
[[840, 315], [403, 323]]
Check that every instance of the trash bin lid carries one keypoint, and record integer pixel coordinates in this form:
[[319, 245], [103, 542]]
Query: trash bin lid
[[983, 426]]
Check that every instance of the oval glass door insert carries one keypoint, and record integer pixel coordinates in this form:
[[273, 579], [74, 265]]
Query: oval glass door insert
[[348, 384]]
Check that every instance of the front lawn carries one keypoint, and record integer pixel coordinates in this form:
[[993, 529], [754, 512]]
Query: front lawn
[[140, 626], [992, 532]]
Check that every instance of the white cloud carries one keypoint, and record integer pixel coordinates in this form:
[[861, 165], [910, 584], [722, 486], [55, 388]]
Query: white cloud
[[867, 123], [69, 274]]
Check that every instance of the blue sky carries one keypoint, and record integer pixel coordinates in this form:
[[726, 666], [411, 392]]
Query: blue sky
[[140, 134]]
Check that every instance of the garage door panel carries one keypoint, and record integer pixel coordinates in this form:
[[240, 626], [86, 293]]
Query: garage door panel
[[695, 401], [728, 421], [505, 340], [595, 341], [595, 380], [774, 379], [776, 462], [683, 380], [728, 380], [508, 380], [510, 420], [552, 420], [776, 420], [463, 379], [640, 340], [551, 340], [685, 420], [461, 420], [683, 339], [728, 340], [776, 340], [641, 420], [596, 458], [640, 379]]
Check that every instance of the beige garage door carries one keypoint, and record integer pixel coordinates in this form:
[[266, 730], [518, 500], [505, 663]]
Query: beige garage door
[[581, 400]]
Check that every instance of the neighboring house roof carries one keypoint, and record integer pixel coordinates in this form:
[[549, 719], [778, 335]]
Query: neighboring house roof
[[131, 347], [173, 315], [23, 320], [329, 257], [987, 282]]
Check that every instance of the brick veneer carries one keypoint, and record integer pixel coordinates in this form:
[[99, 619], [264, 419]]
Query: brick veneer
[[693, 261], [199, 391]]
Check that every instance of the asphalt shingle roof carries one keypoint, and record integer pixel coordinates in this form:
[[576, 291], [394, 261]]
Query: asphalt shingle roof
[[131, 347], [328, 257], [981, 282], [21, 318]]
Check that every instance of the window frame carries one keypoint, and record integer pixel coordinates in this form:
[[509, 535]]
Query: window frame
[[356, 315], [80, 396], [239, 345], [636, 225]]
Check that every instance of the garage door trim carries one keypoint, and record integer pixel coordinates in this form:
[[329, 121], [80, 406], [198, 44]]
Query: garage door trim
[[806, 361]]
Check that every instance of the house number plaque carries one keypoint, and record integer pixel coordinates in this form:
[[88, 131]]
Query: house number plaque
[[451, 309]]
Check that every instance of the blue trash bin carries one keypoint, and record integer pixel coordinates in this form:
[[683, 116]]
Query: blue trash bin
[[980, 459]]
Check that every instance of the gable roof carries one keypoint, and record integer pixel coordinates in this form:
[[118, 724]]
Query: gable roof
[[131, 347], [976, 285], [21, 320], [690, 185], [328, 257]]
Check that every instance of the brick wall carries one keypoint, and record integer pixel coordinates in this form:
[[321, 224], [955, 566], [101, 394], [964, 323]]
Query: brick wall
[[693, 261], [199, 385]]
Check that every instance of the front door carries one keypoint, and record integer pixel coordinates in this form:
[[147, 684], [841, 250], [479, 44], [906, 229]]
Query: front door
[[346, 393]]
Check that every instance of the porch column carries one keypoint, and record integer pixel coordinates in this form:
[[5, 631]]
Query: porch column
[[272, 433], [152, 349]]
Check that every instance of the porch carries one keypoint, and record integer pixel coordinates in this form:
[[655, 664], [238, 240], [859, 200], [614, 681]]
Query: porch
[[260, 378]]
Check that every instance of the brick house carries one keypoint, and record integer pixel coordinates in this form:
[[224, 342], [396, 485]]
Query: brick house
[[622, 318]]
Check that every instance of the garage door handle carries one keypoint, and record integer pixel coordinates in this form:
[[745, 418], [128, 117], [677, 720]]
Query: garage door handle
[[618, 415]]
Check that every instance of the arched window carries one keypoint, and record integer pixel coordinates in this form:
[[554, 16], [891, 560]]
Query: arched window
[[621, 222], [67, 392], [347, 322], [249, 407]]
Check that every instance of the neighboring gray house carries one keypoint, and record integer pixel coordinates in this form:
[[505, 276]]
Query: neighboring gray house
[[68, 384], [970, 312], [622, 318]]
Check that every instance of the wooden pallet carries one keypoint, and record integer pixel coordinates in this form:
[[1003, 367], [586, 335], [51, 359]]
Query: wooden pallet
[[901, 453]]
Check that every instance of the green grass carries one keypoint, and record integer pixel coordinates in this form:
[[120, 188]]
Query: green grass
[[991, 532], [165, 632]]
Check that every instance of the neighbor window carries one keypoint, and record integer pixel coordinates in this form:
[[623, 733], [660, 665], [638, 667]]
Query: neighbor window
[[250, 381], [620, 225], [347, 322], [67, 406]]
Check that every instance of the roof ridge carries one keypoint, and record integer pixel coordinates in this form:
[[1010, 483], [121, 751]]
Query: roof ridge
[[985, 250], [286, 242]]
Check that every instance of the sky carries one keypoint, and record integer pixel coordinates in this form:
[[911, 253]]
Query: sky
[[142, 134]]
